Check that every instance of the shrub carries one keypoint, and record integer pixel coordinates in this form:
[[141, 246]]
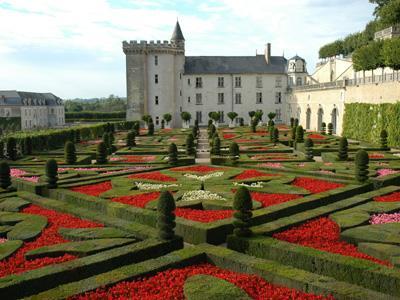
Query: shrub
[[12, 149], [234, 152], [383, 140], [69, 153], [211, 131], [299, 134], [130, 139], [216, 149], [28, 145], [166, 216], [292, 136], [136, 128], [308, 145], [243, 205], [5, 175], [209, 123], [51, 173], [330, 128], [361, 165], [106, 140], [296, 122], [343, 149], [254, 123], [162, 124], [190, 145], [291, 122], [195, 130], [150, 129], [172, 154], [101, 153], [167, 117], [323, 128]]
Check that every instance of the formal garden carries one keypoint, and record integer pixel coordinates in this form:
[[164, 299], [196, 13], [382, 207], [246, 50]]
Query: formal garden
[[122, 210]]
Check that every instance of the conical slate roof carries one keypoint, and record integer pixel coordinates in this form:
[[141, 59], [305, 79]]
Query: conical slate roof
[[177, 35]]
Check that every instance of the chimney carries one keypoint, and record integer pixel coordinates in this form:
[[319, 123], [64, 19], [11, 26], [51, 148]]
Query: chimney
[[268, 53]]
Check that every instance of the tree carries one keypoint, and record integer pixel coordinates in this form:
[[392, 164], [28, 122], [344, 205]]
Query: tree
[[186, 116], [101, 153], [243, 205], [146, 118], [369, 57], [5, 175], [166, 216], [384, 142], [106, 140], [232, 115], [299, 134], [215, 116], [343, 149], [389, 13], [172, 154], [380, 4], [12, 153], [391, 53], [51, 173], [216, 149], [271, 117], [167, 117], [253, 124], [69, 153], [130, 139], [308, 146], [234, 152], [258, 115], [361, 166]]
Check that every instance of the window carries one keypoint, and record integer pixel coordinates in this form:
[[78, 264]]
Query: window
[[188, 99], [199, 99], [238, 98], [299, 81], [221, 117], [258, 82], [180, 75], [238, 82], [290, 81], [199, 117], [278, 97], [220, 98], [157, 120], [156, 100], [258, 98], [278, 82], [180, 93], [156, 79], [199, 82], [220, 82], [188, 81], [156, 60], [278, 113]]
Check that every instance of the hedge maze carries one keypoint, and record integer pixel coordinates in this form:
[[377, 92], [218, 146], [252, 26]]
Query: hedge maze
[[275, 216]]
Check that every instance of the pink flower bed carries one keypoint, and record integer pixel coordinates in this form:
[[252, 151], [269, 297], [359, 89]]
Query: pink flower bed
[[271, 165], [385, 172], [385, 218], [17, 173]]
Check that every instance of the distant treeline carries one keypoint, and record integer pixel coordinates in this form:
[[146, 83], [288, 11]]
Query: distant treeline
[[90, 115], [110, 104]]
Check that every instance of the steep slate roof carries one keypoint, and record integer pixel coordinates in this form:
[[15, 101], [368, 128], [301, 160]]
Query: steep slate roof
[[296, 57], [17, 97], [177, 35], [234, 65]]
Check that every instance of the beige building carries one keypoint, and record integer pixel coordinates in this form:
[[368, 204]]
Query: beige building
[[25, 110]]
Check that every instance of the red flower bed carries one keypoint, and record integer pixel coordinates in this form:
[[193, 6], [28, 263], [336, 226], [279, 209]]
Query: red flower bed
[[376, 155], [93, 189], [17, 263], [316, 136], [315, 185], [157, 176], [138, 158], [138, 200], [323, 234], [228, 136], [252, 174], [393, 197], [273, 199], [198, 169], [168, 285], [203, 216]]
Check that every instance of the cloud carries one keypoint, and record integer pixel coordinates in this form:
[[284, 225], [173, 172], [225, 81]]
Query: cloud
[[73, 48]]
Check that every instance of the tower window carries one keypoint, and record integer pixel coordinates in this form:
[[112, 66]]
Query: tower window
[[199, 82], [188, 81], [156, 100], [157, 120], [220, 82], [220, 98], [199, 99], [238, 82], [156, 60], [278, 97], [188, 99], [156, 79], [258, 98], [299, 81], [238, 98]]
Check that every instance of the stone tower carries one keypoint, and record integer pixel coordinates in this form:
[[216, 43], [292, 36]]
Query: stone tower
[[297, 71], [154, 77]]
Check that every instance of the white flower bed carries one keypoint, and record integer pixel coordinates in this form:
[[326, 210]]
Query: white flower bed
[[201, 195], [258, 184], [153, 186], [204, 177]]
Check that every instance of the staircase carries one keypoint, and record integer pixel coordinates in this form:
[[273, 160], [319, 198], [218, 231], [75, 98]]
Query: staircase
[[203, 148]]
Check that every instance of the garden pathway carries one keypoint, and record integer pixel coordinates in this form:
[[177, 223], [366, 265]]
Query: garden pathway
[[203, 148]]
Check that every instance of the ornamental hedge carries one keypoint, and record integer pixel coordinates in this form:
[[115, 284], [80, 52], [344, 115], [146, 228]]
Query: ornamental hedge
[[363, 121]]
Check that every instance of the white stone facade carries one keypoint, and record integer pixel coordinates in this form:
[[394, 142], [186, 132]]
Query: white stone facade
[[35, 110]]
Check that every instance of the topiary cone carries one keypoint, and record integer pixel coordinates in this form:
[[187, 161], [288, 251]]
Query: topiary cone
[[361, 165], [299, 134], [5, 175], [308, 146], [69, 153], [101, 153], [234, 152], [166, 216], [172, 154], [51, 173], [190, 145], [343, 149], [216, 146], [384, 142], [276, 136], [330, 128], [243, 205]]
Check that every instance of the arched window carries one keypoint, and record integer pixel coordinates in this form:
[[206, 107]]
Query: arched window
[[334, 120], [320, 118], [308, 119], [299, 81]]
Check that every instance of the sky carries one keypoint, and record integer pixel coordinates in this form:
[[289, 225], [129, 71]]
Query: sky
[[74, 48]]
